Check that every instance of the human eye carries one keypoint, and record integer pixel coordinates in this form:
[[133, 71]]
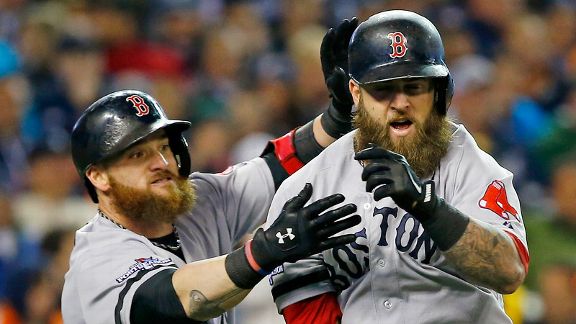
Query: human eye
[[383, 90], [135, 154], [416, 88], [165, 147]]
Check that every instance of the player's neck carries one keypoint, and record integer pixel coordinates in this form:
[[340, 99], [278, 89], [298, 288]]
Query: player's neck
[[149, 229]]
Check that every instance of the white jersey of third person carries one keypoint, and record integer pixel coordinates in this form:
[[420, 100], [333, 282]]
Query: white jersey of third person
[[116, 261], [394, 272]]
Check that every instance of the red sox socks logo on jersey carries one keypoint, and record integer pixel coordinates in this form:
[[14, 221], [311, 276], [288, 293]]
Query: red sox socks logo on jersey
[[139, 104], [288, 234], [496, 200], [398, 44]]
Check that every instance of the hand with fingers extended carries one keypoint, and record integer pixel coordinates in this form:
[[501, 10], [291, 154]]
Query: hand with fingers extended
[[337, 120], [302, 231], [388, 174]]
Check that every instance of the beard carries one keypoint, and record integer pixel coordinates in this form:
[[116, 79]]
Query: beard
[[423, 151], [145, 205]]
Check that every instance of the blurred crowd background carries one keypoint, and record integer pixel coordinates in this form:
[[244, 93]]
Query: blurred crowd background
[[246, 71]]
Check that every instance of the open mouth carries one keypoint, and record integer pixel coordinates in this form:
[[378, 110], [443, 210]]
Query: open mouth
[[401, 124]]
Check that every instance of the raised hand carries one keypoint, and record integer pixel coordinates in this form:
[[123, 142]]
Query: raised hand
[[337, 120]]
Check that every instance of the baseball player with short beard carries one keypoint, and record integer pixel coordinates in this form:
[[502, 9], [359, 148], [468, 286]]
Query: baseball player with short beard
[[441, 236], [160, 249]]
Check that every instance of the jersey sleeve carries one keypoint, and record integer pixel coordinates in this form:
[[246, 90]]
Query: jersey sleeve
[[106, 278], [241, 194], [485, 191]]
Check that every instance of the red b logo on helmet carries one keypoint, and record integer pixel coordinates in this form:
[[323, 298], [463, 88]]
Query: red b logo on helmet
[[139, 104], [398, 44]]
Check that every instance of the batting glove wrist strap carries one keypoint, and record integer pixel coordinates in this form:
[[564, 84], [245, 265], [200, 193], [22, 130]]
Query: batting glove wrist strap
[[305, 144], [239, 269], [336, 122], [445, 224], [265, 259]]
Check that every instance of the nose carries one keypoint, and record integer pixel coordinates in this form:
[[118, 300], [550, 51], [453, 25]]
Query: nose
[[399, 100], [159, 161]]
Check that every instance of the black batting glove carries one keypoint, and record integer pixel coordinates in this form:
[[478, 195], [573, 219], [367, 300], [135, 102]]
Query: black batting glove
[[337, 119], [302, 231], [388, 174]]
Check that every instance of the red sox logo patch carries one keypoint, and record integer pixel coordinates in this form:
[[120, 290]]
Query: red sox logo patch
[[496, 200], [398, 44], [139, 104]]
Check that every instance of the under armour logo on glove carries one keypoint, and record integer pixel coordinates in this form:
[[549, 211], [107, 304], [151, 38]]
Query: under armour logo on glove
[[288, 234], [302, 231]]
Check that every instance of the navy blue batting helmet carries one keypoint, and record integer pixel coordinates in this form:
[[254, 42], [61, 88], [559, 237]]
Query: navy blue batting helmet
[[117, 121], [400, 44]]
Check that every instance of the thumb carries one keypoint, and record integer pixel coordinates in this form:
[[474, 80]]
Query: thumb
[[337, 83], [300, 200]]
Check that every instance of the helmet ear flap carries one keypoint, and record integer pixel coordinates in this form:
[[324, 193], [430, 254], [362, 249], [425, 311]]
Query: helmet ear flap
[[444, 90], [180, 150], [449, 90]]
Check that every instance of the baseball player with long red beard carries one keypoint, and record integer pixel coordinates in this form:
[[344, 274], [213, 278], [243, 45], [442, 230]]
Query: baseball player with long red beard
[[441, 236]]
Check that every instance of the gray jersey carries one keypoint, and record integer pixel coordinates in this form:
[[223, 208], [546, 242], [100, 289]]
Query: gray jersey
[[108, 263], [394, 272]]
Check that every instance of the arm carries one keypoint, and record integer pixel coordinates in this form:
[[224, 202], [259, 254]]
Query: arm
[[205, 290], [208, 288], [488, 256], [482, 253]]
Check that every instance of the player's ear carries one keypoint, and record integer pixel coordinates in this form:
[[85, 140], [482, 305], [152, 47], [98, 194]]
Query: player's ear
[[355, 91], [98, 177]]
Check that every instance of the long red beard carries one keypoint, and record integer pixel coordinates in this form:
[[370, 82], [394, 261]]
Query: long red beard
[[422, 151], [144, 205]]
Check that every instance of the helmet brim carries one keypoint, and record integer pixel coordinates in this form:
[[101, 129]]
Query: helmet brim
[[406, 70], [172, 127]]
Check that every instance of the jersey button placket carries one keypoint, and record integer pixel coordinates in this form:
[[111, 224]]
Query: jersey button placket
[[367, 206]]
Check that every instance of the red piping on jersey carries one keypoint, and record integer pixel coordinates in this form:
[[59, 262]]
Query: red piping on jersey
[[522, 250], [286, 152]]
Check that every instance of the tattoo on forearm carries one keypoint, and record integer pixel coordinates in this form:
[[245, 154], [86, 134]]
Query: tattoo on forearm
[[202, 308], [485, 256]]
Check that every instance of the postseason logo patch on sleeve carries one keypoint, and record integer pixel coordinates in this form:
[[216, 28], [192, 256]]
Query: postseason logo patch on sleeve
[[143, 264]]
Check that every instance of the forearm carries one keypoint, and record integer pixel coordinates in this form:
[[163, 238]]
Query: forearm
[[487, 256], [320, 134], [205, 289], [287, 154]]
